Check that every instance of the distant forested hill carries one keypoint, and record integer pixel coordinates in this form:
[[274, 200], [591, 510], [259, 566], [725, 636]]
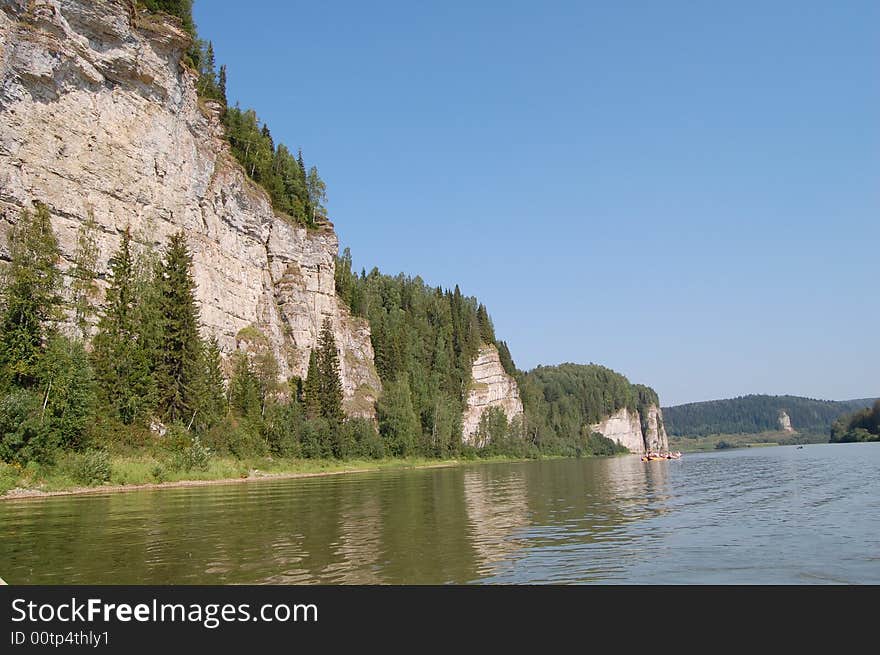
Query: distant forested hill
[[757, 413], [863, 425]]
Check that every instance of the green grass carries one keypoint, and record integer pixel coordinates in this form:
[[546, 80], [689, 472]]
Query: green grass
[[131, 470], [709, 443]]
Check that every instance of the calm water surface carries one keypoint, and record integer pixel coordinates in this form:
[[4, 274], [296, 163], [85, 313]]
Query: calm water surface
[[769, 515]]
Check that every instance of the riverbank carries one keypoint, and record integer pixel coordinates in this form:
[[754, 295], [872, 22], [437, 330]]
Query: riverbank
[[756, 440], [139, 473]]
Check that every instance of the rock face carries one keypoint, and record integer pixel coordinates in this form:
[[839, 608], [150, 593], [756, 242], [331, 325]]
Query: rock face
[[785, 421], [655, 432], [625, 427], [491, 386], [98, 118]]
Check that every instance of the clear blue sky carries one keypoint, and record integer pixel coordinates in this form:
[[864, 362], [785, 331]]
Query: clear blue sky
[[686, 192]]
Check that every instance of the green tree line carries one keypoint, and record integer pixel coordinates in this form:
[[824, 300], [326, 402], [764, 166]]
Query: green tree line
[[148, 379], [147, 371], [561, 402], [863, 425], [425, 340], [753, 414]]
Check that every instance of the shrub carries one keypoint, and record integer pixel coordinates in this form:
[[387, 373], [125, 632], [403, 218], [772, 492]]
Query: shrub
[[316, 438], [158, 473], [89, 468], [282, 427], [8, 477], [602, 446], [187, 451], [22, 436], [238, 437], [364, 439]]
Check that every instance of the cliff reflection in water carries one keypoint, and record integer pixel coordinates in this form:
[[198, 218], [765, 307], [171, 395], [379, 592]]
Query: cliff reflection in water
[[465, 524], [797, 516]]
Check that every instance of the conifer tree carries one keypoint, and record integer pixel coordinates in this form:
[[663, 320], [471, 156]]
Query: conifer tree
[[178, 368], [304, 188], [244, 389], [312, 388], [221, 83], [487, 332], [121, 358], [212, 400], [83, 287], [328, 372], [31, 301]]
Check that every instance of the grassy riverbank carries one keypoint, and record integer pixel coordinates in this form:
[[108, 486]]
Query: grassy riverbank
[[758, 439], [146, 472]]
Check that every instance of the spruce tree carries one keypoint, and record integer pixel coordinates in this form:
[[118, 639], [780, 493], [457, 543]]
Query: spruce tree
[[178, 368], [83, 287], [211, 393], [244, 388], [303, 188], [328, 371], [312, 388], [121, 358], [31, 301], [487, 332], [222, 83]]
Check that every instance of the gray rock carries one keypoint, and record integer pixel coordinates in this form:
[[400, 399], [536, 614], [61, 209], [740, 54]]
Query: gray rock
[[99, 117]]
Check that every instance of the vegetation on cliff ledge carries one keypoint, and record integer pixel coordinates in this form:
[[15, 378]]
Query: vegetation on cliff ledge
[[295, 191]]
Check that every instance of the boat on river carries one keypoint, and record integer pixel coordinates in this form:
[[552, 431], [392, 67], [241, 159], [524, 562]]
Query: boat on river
[[655, 457]]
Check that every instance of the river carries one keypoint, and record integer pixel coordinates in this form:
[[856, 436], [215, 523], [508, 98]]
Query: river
[[776, 515]]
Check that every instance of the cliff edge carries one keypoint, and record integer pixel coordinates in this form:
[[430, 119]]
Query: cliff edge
[[99, 118]]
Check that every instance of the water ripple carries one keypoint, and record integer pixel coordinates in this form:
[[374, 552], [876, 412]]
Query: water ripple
[[774, 515]]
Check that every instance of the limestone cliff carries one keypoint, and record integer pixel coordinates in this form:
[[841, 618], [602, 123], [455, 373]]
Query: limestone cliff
[[785, 421], [99, 118], [626, 427], [655, 431], [491, 386]]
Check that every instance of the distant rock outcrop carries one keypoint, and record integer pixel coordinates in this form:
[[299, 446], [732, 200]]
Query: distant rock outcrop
[[625, 427], [655, 432], [785, 421]]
